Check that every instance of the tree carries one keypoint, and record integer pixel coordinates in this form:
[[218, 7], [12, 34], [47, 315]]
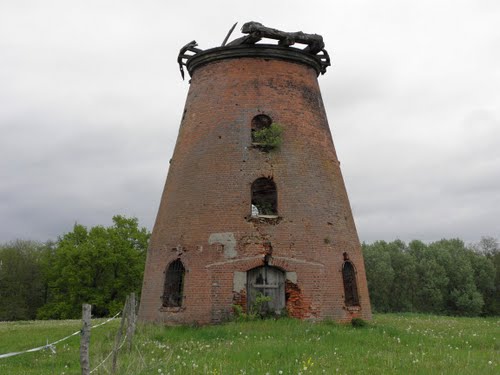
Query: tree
[[487, 245], [405, 277], [485, 260], [379, 274], [21, 280], [441, 277], [461, 295], [431, 279], [99, 266]]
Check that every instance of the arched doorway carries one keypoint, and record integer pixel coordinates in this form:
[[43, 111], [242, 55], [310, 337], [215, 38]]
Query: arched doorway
[[266, 281]]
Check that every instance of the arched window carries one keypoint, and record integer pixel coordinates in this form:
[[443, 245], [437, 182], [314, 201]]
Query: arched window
[[174, 284], [350, 285], [260, 122], [264, 197]]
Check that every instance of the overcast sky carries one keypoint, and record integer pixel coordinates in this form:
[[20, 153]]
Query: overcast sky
[[91, 100]]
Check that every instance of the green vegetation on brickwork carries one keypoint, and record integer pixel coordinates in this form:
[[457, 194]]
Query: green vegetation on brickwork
[[269, 137]]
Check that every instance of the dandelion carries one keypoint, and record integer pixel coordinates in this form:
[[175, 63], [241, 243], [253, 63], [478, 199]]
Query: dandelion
[[281, 372], [490, 363]]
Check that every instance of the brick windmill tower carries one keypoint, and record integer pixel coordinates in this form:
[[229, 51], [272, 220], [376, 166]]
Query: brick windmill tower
[[254, 204]]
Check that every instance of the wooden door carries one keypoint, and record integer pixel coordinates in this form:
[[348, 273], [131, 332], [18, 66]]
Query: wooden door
[[266, 281]]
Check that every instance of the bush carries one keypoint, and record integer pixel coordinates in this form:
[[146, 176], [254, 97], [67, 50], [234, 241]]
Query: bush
[[358, 323], [268, 138]]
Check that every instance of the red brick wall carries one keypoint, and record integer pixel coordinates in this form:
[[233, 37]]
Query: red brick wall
[[208, 191]]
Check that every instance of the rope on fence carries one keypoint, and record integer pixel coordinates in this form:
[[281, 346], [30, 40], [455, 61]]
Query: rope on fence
[[51, 346]]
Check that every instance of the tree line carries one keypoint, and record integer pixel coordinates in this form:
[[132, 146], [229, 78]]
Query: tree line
[[102, 265], [442, 277]]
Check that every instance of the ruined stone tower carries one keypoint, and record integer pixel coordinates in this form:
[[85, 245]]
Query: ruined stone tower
[[254, 203]]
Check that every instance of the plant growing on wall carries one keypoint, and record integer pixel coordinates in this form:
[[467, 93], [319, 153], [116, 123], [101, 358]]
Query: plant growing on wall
[[268, 138]]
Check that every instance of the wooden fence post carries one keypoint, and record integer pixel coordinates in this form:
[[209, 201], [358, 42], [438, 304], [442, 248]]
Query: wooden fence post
[[131, 321], [118, 337], [85, 339]]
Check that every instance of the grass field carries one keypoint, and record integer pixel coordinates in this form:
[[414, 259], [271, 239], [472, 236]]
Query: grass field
[[390, 344]]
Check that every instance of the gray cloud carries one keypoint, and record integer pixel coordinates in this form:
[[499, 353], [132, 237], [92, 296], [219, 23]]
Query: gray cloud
[[91, 99]]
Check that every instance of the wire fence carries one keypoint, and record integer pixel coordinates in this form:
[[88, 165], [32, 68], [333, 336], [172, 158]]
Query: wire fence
[[128, 314], [51, 346]]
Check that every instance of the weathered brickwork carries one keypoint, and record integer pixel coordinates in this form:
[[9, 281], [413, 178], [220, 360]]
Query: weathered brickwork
[[204, 217]]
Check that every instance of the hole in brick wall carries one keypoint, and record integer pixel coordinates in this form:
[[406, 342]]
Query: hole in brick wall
[[350, 286], [174, 284], [264, 197]]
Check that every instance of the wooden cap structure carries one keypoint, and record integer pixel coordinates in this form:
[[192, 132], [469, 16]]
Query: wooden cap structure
[[254, 203]]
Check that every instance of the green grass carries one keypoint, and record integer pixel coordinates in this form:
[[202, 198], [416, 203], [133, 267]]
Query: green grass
[[391, 344]]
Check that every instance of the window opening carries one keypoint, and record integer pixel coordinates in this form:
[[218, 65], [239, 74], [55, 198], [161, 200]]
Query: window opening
[[174, 284], [260, 122], [264, 197], [350, 285], [266, 135]]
